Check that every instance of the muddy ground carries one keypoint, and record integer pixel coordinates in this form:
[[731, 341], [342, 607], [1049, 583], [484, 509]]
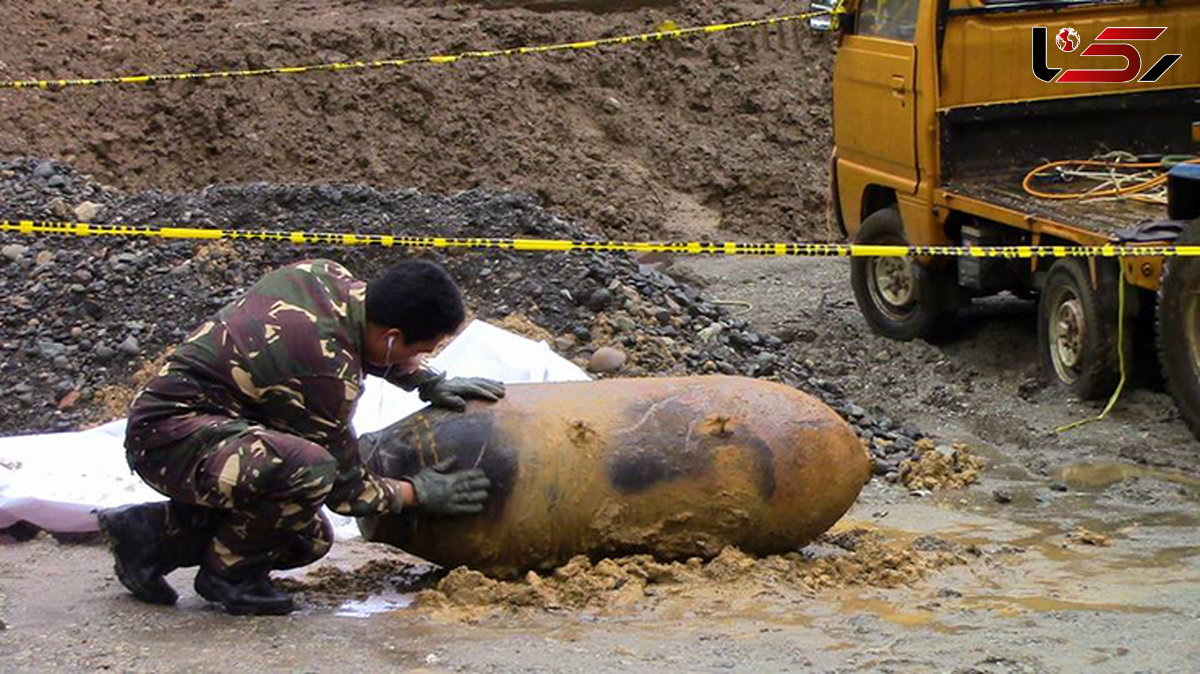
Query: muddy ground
[[1076, 551]]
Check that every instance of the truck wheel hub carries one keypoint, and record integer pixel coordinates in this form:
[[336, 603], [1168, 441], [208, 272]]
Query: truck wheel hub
[[1068, 334], [895, 281]]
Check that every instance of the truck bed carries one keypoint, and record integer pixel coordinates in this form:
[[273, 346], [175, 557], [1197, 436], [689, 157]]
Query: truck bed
[[1102, 217]]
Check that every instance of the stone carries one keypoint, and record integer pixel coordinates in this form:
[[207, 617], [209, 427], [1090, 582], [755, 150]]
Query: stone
[[599, 300], [606, 359], [130, 346], [44, 169], [59, 208], [1002, 496], [69, 400], [56, 181], [50, 350], [88, 211], [105, 352], [13, 251]]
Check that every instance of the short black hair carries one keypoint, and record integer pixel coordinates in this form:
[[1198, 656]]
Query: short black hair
[[418, 297]]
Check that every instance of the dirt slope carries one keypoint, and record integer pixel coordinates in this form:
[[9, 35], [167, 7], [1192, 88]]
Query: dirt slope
[[670, 139]]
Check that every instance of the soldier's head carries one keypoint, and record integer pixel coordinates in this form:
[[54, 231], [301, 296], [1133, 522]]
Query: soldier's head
[[412, 307]]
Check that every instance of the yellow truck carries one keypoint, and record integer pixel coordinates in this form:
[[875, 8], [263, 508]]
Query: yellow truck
[[1028, 122]]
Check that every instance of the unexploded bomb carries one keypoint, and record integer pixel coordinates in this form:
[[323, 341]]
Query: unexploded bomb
[[673, 467]]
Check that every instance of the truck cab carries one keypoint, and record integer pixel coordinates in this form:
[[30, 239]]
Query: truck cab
[[985, 122]]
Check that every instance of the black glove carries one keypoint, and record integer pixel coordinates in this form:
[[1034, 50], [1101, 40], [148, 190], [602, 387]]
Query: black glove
[[453, 394], [439, 491]]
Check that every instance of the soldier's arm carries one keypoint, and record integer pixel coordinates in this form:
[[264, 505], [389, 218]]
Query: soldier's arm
[[318, 409]]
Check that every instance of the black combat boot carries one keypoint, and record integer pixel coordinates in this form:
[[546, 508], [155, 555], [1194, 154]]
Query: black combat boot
[[136, 535], [243, 591], [149, 540]]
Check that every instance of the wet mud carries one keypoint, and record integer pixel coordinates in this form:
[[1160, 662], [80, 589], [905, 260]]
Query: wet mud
[[849, 558]]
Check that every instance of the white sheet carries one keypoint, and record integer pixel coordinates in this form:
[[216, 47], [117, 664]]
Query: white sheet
[[55, 480]]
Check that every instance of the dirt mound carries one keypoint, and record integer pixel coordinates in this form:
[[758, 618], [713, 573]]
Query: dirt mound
[[854, 557], [678, 138], [934, 467], [1085, 536]]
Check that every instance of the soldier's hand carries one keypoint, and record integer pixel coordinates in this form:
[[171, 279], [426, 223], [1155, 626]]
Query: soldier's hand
[[442, 491], [454, 393]]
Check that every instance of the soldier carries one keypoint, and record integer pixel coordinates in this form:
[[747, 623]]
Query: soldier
[[247, 429]]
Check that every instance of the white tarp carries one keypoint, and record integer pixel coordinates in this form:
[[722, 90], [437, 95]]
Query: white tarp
[[55, 480]]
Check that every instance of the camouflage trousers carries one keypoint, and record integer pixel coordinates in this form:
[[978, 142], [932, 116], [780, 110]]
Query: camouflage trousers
[[267, 485]]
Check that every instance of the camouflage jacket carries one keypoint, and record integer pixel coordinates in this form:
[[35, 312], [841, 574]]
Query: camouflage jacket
[[288, 355]]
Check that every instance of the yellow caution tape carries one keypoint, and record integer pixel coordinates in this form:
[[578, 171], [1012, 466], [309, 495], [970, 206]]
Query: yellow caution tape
[[666, 32], [796, 249]]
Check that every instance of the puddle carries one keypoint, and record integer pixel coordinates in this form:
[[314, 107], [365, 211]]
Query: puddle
[[1010, 606], [897, 615], [374, 605], [1104, 474]]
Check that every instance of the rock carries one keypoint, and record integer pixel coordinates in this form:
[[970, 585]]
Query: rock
[[1058, 486], [130, 346], [50, 349], [606, 359], [13, 251], [44, 169], [711, 333], [882, 467], [564, 344], [70, 400], [582, 334], [56, 181], [93, 309], [88, 211], [59, 208], [624, 324], [612, 105], [43, 258], [104, 352], [599, 300], [1002, 496]]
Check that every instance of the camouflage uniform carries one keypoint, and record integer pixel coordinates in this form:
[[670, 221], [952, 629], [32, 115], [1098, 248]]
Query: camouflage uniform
[[251, 416]]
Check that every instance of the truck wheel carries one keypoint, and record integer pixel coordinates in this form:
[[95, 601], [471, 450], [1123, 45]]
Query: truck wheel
[[900, 298], [1077, 330], [1179, 329]]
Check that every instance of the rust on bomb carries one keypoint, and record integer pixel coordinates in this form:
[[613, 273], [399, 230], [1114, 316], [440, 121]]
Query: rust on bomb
[[673, 467]]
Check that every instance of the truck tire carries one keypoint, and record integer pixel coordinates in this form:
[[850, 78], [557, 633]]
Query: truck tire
[[899, 298], [1178, 322], [1077, 330]]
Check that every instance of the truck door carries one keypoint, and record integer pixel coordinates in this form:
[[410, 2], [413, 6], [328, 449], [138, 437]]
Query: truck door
[[874, 101]]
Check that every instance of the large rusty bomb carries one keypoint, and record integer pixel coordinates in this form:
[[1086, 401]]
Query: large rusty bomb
[[670, 467]]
